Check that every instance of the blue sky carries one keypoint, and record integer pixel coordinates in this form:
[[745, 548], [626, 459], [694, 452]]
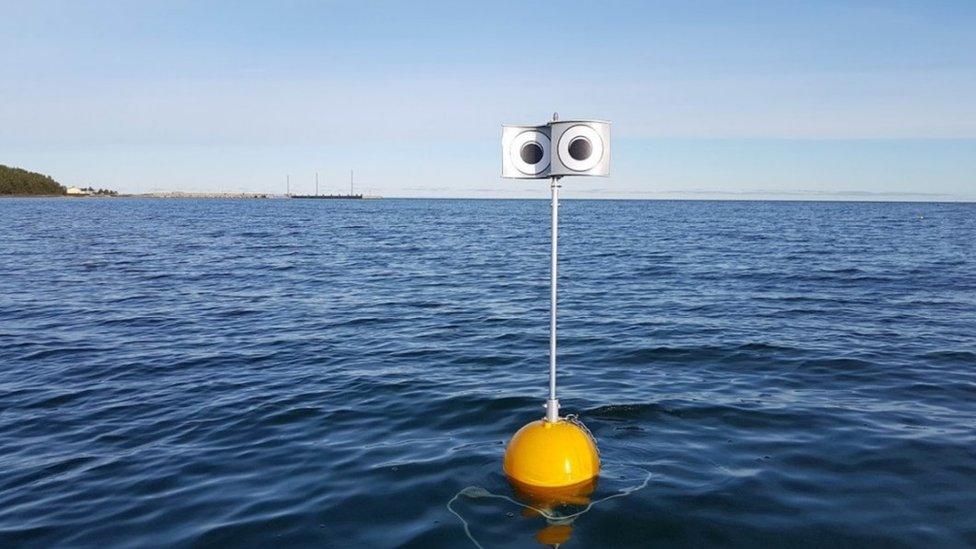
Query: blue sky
[[708, 99]]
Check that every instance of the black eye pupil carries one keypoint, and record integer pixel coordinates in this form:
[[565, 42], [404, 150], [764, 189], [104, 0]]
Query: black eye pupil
[[531, 153], [580, 148]]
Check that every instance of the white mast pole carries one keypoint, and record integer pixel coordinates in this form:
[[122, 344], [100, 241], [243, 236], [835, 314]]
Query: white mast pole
[[552, 405]]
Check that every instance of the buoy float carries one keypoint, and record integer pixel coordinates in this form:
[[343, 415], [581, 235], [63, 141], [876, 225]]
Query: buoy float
[[554, 452], [546, 454]]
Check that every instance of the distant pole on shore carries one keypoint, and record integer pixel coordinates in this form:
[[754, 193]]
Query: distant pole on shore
[[287, 185], [350, 183], [316, 183]]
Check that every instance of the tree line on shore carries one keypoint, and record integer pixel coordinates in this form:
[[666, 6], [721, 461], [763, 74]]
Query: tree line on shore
[[17, 181], [20, 182]]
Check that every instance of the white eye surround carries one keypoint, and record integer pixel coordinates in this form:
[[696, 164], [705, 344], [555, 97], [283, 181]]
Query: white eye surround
[[529, 152], [580, 148]]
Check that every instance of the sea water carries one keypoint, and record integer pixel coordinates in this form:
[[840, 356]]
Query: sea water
[[235, 373]]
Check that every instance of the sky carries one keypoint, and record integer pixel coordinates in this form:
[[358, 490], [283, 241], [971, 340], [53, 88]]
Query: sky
[[708, 99]]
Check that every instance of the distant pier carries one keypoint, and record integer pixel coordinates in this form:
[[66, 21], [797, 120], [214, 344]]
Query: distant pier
[[331, 196], [351, 196], [181, 194]]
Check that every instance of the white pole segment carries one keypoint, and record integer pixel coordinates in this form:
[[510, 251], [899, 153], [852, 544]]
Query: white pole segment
[[552, 405]]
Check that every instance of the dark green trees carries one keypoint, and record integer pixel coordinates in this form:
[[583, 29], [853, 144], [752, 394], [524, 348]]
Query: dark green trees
[[14, 181]]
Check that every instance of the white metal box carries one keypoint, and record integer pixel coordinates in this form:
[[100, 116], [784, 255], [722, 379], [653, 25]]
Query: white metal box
[[580, 147], [526, 152]]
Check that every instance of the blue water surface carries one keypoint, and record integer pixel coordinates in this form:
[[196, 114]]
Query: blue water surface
[[234, 373]]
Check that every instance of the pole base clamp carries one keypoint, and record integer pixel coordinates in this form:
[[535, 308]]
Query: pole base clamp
[[552, 410]]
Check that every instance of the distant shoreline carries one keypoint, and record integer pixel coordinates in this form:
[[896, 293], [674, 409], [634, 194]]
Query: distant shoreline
[[263, 196], [240, 196]]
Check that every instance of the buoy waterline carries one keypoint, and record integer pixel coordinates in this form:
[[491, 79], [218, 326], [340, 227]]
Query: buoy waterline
[[554, 452]]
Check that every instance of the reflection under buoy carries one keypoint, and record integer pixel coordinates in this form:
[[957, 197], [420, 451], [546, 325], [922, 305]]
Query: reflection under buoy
[[559, 506], [544, 502], [555, 534]]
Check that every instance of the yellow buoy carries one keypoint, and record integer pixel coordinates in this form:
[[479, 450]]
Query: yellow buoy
[[551, 454]]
